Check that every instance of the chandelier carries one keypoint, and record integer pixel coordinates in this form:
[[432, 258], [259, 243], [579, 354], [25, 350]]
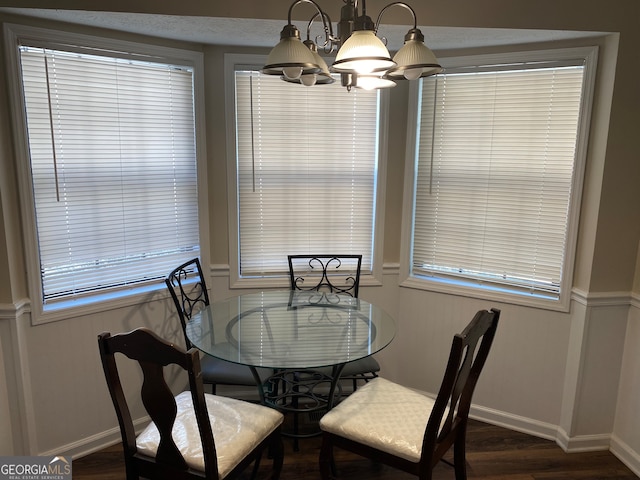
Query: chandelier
[[362, 59]]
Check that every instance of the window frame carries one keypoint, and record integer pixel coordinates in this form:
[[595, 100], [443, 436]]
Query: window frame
[[494, 292], [14, 34], [233, 61]]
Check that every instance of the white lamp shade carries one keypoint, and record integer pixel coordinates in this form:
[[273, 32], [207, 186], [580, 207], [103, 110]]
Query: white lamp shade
[[414, 60], [373, 82], [290, 54], [322, 77], [363, 53]]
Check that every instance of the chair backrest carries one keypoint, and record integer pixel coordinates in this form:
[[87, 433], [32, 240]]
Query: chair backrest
[[153, 354], [331, 273], [450, 413], [189, 291]]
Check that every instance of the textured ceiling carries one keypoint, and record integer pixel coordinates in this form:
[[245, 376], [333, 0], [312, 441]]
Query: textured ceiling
[[265, 33]]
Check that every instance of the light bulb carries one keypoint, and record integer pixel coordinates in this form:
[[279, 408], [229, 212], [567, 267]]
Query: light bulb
[[365, 67], [308, 80], [292, 73], [412, 73], [372, 82]]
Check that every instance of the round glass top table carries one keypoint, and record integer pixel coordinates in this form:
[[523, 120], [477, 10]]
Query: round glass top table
[[291, 329], [304, 337]]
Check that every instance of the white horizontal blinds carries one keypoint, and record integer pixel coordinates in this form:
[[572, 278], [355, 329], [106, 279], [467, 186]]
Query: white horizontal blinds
[[114, 172], [307, 171], [495, 167]]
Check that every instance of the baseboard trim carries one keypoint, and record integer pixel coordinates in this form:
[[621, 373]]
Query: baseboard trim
[[580, 443], [625, 454], [583, 443], [96, 442], [517, 423]]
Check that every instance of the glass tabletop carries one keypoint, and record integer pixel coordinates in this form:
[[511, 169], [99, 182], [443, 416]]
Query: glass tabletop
[[291, 329]]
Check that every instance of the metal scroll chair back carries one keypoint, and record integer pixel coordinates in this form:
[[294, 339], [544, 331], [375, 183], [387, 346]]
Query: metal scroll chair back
[[328, 273], [338, 274], [442, 423], [157, 452], [188, 290], [334, 274]]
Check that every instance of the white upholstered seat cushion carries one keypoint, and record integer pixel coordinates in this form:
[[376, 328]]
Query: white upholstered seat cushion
[[238, 426], [383, 415]]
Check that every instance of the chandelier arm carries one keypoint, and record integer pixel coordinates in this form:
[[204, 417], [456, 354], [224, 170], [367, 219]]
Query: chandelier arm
[[326, 21], [393, 4], [330, 40]]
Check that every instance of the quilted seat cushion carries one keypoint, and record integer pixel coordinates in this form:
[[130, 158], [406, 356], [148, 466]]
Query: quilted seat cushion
[[382, 415], [238, 426]]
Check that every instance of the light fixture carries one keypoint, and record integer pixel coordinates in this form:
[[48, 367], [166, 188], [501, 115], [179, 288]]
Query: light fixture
[[362, 59]]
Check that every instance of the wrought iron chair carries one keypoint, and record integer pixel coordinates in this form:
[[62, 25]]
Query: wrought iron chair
[[189, 292], [192, 435], [339, 274], [399, 427]]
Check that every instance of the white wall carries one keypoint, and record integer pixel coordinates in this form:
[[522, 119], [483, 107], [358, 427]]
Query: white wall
[[626, 438], [6, 438]]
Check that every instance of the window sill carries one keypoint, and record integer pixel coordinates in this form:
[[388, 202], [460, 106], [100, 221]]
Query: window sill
[[122, 298], [492, 293]]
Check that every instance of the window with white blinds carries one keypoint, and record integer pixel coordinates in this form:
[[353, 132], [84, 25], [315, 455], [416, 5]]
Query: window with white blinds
[[113, 169], [495, 165], [307, 171]]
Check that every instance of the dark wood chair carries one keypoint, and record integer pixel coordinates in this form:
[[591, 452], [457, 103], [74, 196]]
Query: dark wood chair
[[189, 292], [399, 427], [191, 435], [338, 274]]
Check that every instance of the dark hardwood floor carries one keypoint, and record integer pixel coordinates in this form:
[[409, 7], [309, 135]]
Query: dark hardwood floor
[[493, 453]]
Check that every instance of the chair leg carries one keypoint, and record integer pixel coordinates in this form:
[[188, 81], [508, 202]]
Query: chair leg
[[459, 457], [295, 404], [131, 470], [296, 428], [327, 465], [276, 449], [256, 467]]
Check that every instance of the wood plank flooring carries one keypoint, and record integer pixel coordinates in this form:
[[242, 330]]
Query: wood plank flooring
[[493, 453]]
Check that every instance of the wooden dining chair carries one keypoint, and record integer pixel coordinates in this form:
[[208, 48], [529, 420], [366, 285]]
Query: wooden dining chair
[[188, 290], [338, 274], [191, 435], [399, 427]]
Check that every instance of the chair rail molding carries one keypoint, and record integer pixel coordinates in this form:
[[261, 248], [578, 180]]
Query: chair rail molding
[[219, 270], [12, 311], [635, 300], [600, 299]]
